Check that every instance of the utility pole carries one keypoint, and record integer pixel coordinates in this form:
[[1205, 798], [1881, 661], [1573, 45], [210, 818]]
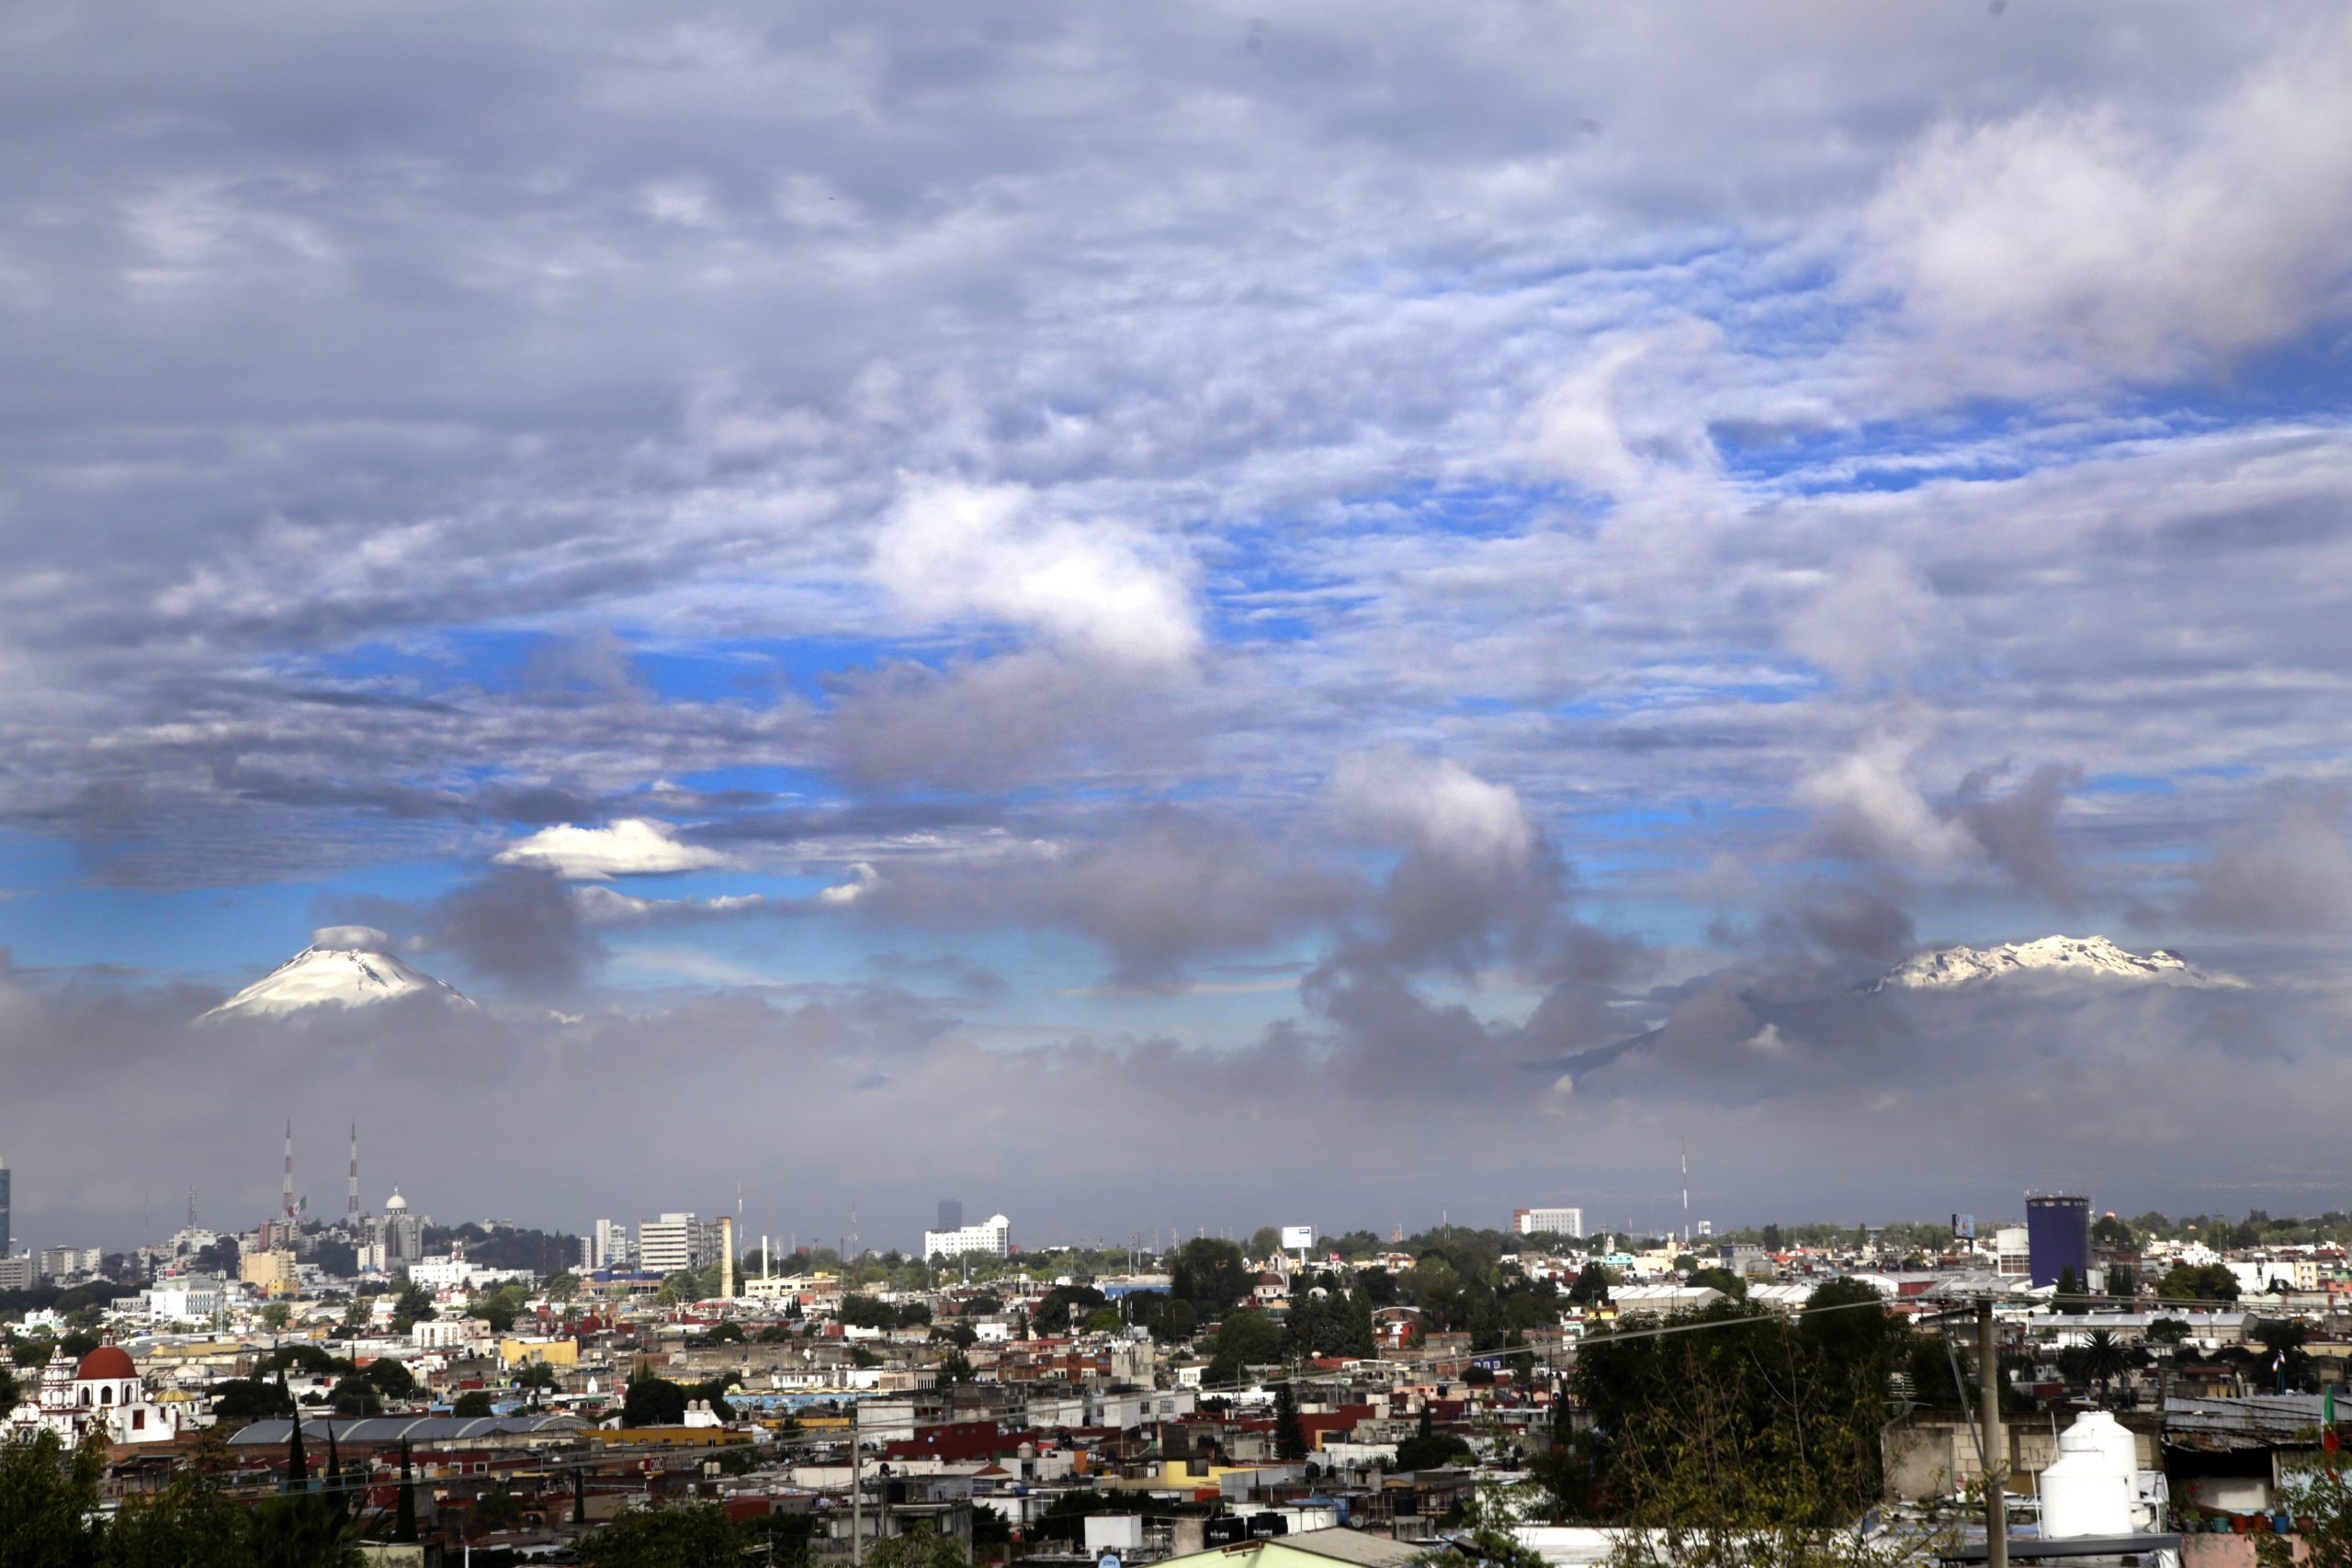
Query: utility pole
[[1997, 1454], [857, 1490]]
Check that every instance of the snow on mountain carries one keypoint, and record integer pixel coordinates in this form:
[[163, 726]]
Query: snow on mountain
[[343, 966], [2063, 958]]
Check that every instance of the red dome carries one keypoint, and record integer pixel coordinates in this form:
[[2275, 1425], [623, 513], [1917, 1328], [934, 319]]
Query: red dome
[[107, 1363]]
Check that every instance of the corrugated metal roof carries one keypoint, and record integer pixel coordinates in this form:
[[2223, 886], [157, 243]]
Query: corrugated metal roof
[[409, 1428]]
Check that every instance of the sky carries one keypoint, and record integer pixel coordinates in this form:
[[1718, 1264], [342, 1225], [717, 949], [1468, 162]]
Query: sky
[[1170, 618]]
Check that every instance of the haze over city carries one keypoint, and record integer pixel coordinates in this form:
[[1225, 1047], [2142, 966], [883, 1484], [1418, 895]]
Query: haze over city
[[1173, 618]]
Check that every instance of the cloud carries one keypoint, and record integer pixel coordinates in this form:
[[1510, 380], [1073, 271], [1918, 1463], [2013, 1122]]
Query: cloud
[[2079, 239], [1878, 617], [630, 846], [1872, 809], [2291, 876], [365, 939], [949, 549]]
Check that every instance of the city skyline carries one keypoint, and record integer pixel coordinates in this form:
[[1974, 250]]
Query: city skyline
[[1126, 610]]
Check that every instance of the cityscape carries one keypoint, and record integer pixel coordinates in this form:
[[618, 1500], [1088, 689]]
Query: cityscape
[[1527, 785]]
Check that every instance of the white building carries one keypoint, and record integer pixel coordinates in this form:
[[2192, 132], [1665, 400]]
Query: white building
[[1548, 1221], [70, 1262], [191, 1296], [2011, 1252], [991, 1238], [677, 1241], [395, 1238], [607, 1245]]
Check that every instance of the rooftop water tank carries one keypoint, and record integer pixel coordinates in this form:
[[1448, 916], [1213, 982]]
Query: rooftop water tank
[[2090, 1489]]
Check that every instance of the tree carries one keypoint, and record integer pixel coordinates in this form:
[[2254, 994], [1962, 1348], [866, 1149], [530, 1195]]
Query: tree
[[537, 1380], [923, 1548], [192, 1523], [275, 1315], [391, 1379], [49, 1501], [1209, 1273], [1722, 1278], [404, 1510], [2167, 1331], [250, 1399], [668, 1535], [1591, 1287], [1265, 1241], [412, 1306], [653, 1401], [1243, 1340], [563, 1287], [1433, 1450], [2109, 1231], [2104, 1357], [471, 1403], [1290, 1438], [955, 1367], [2198, 1282]]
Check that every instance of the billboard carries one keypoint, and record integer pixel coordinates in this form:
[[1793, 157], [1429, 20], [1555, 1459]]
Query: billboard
[[1297, 1236]]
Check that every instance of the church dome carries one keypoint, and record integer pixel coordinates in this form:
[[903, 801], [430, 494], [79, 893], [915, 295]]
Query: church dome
[[107, 1363]]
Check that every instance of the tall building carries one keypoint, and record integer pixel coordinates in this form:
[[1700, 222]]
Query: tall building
[[992, 1239], [395, 1237], [7, 1237], [677, 1241], [2058, 1238], [606, 1245], [1548, 1222], [951, 1214]]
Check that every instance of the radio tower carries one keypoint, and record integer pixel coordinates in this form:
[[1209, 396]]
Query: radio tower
[[351, 1198], [290, 1168]]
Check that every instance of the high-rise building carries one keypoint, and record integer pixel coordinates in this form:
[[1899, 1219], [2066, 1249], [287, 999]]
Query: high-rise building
[[2058, 1238], [994, 1238], [677, 1241], [1548, 1221], [7, 1237], [606, 1245], [951, 1214]]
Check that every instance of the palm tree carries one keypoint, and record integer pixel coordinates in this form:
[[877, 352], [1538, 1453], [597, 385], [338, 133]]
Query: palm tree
[[2103, 1358]]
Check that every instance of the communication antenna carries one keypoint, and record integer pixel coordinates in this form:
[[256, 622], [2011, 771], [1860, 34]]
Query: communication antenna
[[351, 1198], [289, 1169], [1686, 1192]]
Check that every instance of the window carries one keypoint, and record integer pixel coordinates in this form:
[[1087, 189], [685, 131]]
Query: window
[[139, 1420], [106, 1397]]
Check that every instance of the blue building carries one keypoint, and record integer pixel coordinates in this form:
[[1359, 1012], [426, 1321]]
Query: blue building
[[2058, 1237]]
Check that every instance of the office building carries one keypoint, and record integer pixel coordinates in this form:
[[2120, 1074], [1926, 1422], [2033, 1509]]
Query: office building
[[7, 1236], [951, 1214], [1548, 1222], [677, 1241], [991, 1239]]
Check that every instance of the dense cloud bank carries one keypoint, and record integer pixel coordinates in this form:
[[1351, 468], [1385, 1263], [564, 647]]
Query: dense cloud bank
[[1172, 598]]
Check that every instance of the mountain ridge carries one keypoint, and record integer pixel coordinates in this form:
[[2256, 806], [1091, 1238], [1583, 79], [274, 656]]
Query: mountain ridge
[[2062, 957]]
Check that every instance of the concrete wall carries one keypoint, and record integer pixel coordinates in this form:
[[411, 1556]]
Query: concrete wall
[[1934, 1456]]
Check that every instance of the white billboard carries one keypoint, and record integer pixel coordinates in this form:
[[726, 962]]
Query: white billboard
[[1297, 1236]]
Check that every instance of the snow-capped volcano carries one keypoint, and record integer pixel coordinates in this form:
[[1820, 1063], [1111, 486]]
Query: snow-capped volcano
[[343, 966], [2064, 957]]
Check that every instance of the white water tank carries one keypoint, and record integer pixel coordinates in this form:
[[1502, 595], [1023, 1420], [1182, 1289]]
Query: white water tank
[[2090, 1488]]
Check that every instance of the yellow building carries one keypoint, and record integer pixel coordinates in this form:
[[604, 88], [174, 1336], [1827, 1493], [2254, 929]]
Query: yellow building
[[538, 1352], [272, 1271]]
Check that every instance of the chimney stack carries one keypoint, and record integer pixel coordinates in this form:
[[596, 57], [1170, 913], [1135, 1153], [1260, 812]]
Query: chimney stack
[[727, 1256]]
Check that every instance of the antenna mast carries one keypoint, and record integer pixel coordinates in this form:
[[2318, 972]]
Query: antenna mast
[[351, 1199], [1686, 1192], [290, 1170]]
